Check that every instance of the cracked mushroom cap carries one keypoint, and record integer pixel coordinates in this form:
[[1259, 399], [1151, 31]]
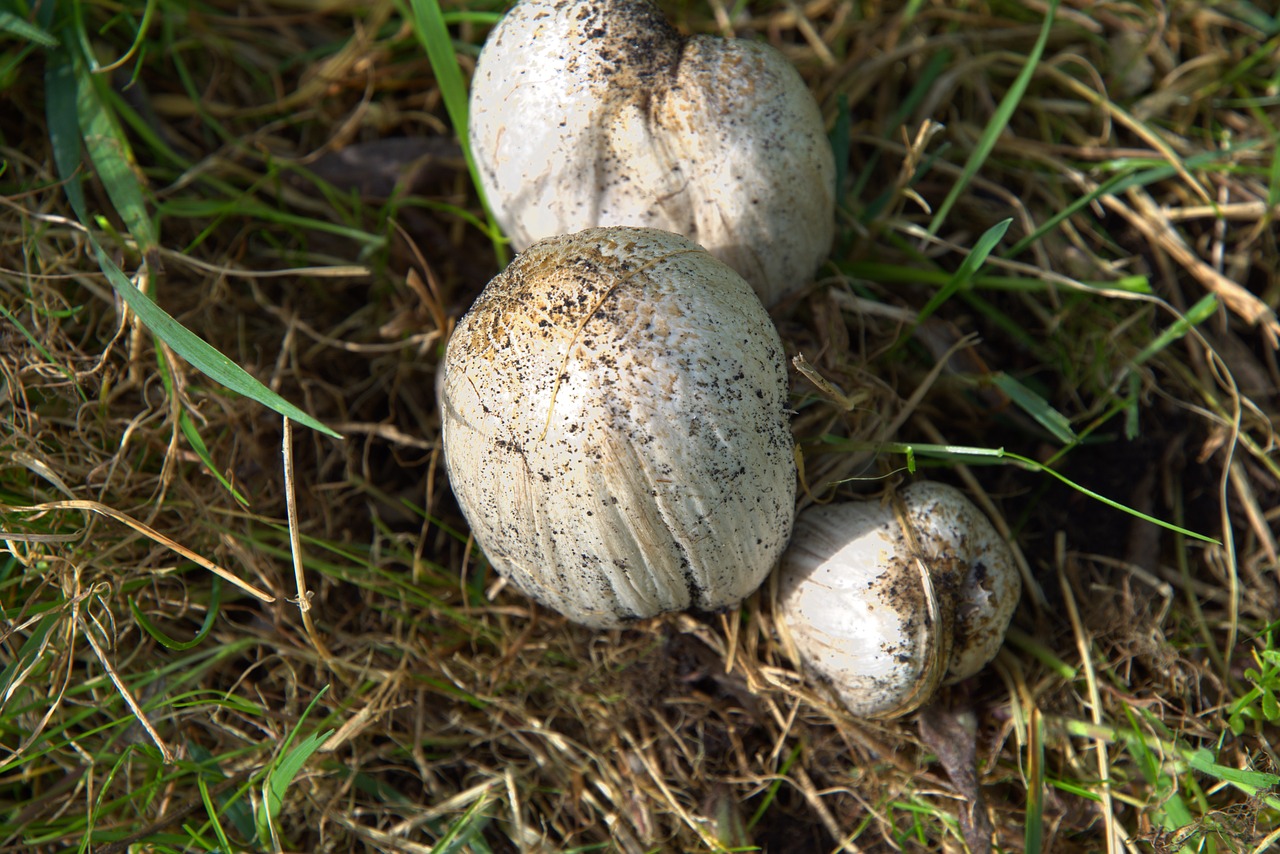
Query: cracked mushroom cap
[[615, 427], [601, 113], [884, 608]]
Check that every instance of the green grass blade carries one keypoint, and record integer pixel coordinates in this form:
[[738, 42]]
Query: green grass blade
[[968, 454], [1203, 761], [1026, 643], [841, 142], [44, 351], [1173, 809], [772, 791], [229, 803], [1033, 832], [86, 842], [968, 268], [24, 29], [1032, 464], [429, 25], [214, 818], [63, 117], [1197, 314], [215, 597], [196, 350], [281, 777], [464, 830], [998, 122], [286, 766], [1131, 174], [1129, 404], [202, 451], [1107, 187], [1037, 407], [139, 38], [112, 158]]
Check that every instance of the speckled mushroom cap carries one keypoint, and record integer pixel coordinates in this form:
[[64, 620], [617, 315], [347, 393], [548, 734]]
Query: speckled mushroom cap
[[615, 427], [598, 112], [884, 611]]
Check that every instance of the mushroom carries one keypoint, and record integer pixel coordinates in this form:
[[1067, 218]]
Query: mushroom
[[601, 113], [615, 427], [885, 604]]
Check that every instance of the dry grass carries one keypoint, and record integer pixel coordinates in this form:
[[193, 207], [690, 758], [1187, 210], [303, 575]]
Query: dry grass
[[464, 718]]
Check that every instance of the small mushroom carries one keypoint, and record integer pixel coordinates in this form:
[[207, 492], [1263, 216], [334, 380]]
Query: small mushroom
[[598, 112], [615, 427], [885, 604]]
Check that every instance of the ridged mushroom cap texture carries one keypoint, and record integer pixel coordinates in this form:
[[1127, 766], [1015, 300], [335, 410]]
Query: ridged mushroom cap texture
[[884, 607], [616, 430], [601, 113]]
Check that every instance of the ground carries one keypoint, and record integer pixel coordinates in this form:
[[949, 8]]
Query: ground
[[227, 631]]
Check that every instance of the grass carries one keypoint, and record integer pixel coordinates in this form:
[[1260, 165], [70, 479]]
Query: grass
[[1057, 252]]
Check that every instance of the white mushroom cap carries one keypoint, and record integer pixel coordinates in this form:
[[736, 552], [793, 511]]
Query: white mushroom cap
[[884, 608], [615, 427], [600, 113]]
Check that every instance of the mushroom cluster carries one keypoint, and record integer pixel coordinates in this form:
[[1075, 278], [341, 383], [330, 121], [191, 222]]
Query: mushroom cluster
[[614, 404], [598, 112]]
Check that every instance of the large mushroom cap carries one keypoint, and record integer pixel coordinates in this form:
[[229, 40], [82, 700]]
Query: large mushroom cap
[[615, 427], [600, 113]]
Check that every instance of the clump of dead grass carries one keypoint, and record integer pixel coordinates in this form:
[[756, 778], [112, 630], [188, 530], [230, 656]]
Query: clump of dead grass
[[461, 717]]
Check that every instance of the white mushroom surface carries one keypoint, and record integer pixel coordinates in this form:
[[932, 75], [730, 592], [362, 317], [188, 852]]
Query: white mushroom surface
[[615, 427], [600, 112], [884, 608]]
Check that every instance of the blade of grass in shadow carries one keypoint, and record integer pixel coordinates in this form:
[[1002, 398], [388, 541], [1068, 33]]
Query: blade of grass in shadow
[[772, 792], [924, 81], [841, 139], [96, 810], [465, 831], [1037, 407], [30, 652], [228, 803], [429, 26], [994, 315], [1204, 309], [1269, 24], [905, 274], [64, 128], [215, 597], [998, 122], [212, 811]]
